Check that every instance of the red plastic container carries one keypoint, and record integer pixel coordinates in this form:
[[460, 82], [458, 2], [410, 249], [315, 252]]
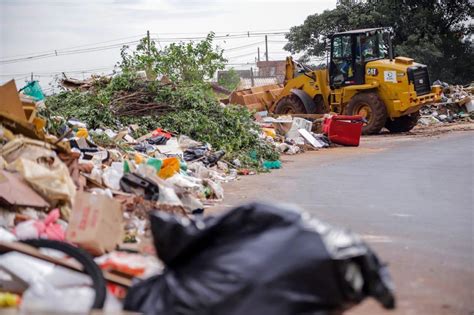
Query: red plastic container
[[345, 130]]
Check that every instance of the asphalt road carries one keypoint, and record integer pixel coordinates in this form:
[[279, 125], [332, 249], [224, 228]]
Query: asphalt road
[[410, 198]]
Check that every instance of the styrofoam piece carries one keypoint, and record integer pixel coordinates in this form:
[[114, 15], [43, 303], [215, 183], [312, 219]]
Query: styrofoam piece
[[309, 137]]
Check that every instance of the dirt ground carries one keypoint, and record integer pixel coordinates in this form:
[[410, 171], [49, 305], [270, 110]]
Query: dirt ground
[[428, 131]]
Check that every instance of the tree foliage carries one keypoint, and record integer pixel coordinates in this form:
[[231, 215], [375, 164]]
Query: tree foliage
[[438, 33], [192, 108], [230, 79], [195, 112], [188, 62]]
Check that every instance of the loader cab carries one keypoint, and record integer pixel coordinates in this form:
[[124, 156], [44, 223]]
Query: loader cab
[[352, 50]]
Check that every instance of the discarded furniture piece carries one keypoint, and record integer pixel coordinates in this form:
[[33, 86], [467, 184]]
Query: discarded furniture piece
[[344, 130]]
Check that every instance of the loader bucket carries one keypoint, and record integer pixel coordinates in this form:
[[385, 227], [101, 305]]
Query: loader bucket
[[257, 98]]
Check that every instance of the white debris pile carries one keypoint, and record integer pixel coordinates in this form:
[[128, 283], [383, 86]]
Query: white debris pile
[[457, 104]]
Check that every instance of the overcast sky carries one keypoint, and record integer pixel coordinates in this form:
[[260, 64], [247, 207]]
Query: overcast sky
[[32, 27]]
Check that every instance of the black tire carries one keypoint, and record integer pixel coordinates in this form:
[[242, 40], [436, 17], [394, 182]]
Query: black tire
[[87, 262], [378, 111], [290, 105], [402, 124], [319, 102]]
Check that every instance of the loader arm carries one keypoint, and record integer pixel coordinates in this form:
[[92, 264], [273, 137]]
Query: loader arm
[[289, 69]]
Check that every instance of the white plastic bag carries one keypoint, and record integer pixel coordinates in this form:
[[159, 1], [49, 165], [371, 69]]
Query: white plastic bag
[[44, 298], [112, 176]]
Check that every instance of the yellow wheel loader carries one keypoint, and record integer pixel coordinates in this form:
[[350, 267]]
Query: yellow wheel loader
[[363, 78]]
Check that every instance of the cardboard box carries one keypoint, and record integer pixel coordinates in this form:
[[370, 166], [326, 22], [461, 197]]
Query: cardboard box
[[10, 101], [96, 223], [14, 191]]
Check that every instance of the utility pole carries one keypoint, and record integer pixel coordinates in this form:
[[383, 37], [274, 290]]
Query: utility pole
[[258, 54], [148, 43], [31, 76], [148, 71], [266, 47], [252, 82]]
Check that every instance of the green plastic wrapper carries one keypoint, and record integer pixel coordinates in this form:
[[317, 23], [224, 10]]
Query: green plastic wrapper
[[126, 167], [33, 89], [183, 165], [272, 164], [156, 163]]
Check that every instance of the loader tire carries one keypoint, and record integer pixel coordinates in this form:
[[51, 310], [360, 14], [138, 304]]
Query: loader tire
[[319, 102], [290, 105], [402, 124], [372, 108]]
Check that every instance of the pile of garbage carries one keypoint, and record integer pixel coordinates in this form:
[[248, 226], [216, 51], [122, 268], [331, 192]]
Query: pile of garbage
[[183, 109], [293, 135], [157, 170], [88, 166], [290, 135], [59, 165], [95, 187], [456, 104]]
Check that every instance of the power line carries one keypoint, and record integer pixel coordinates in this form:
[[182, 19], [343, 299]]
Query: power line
[[73, 47], [77, 50], [243, 55], [58, 52], [233, 32], [68, 52], [241, 64], [226, 34], [53, 73], [75, 71], [15, 74], [243, 46], [254, 50], [221, 37], [255, 53]]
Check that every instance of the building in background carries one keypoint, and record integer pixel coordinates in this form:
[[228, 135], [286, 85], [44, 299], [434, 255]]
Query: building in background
[[267, 72], [245, 74], [273, 68]]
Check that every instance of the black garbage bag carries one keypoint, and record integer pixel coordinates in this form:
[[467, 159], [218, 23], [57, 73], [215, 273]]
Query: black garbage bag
[[141, 186], [144, 147], [195, 153], [203, 154], [258, 259], [158, 140], [213, 158]]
